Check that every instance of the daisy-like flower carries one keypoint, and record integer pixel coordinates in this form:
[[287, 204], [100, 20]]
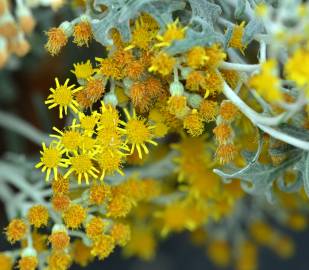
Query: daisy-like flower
[[51, 159], [63, 96], [173, 32], [138, 133], [81, 164], [83, 70], [70, 138]]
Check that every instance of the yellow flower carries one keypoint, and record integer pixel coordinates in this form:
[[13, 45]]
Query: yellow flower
[[193, 123], [142, 34], [119, 206], [248, 256], [81, 164], [297, 67], [216, 56], [88, 122], [197, 57], [162, 63], [121, 233], [267, 82], [173, 32], [59, 239], [59, 260], [99, 194], [28, 263], [82, 33], [70, 138], [138, 133], [110, 162], [60, 185], [16, 230], [103, 246], [236, 38], [51, 159], [83, 70], [38, 216], [57, 39], [95, 227], [208, 110], [74, 216], [62, 96]]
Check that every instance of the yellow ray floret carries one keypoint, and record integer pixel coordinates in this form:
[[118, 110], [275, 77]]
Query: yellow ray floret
[[63, 96], [51, 159], [138, 133]]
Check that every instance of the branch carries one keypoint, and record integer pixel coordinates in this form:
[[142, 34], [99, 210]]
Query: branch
[[23, 128]]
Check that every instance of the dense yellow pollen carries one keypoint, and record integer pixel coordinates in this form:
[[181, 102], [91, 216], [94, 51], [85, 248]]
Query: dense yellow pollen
[[173, 32], [95, 227], [99, 194], [38, 216], [74, 216], [28, 263], [59, 240], [16, 230], [103, 246], [137, 131], [56, 40], [51, 157], [71, 139], [81, 163], [162, 63], [59, 260], [236, 39], [83, 70], [63, 96], [82, 33]]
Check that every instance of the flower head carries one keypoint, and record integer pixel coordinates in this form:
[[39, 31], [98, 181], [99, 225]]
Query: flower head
[[28, 263], [82, 33], [95, 227], [57, 39], [38, 216], [16, 230], [82, 165], [103, 246], [236, 38], [196, 57], [74, 216], [63, 96], [59, 260], [173, 32], [121, 233], [138, 133], [59, 239], [51, 159], [83, 70], [162, 63]]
